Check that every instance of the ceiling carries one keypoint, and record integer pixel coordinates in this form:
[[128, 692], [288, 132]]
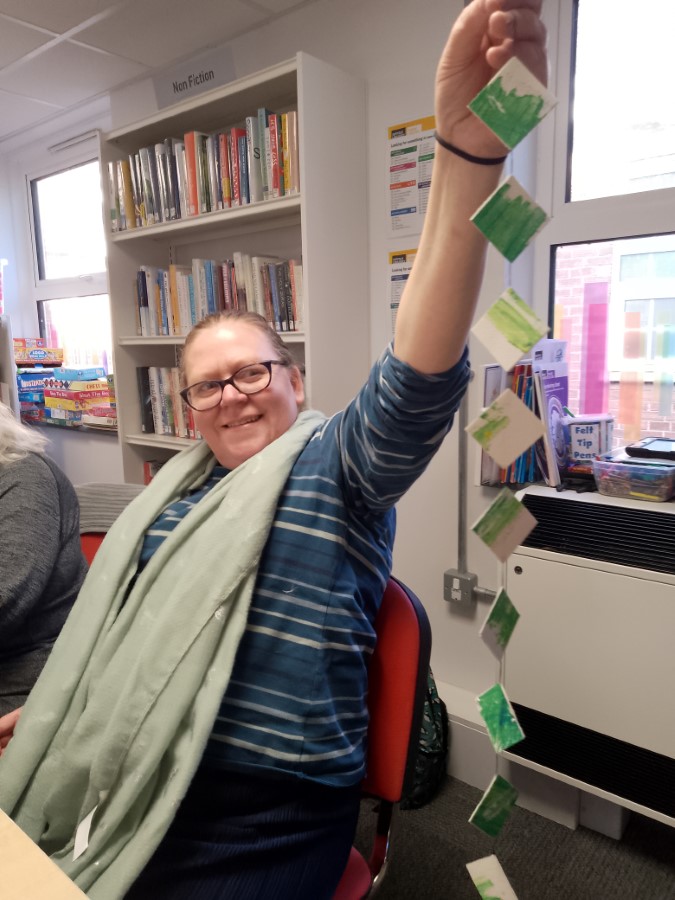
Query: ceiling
[[56, 55]]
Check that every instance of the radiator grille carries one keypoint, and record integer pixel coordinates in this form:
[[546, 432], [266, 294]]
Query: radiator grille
[[617, 534], [630, 772]]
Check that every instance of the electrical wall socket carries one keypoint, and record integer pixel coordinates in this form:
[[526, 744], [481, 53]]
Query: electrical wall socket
[[459, 587]]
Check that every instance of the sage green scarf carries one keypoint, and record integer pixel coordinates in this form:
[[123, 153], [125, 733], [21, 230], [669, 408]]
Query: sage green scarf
[[121, 714]]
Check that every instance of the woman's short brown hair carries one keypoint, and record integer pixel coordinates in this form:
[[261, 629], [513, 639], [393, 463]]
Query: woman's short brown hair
[[239, 315]]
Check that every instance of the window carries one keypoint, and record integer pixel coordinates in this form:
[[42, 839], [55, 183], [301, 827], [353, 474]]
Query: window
[[606, 260], [70, 263], [69, 237]]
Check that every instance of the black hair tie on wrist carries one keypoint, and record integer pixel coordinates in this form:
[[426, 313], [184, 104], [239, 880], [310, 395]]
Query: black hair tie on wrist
[[479, 160]]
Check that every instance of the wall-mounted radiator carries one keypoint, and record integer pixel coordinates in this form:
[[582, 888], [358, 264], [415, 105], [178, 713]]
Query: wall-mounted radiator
[[590, 668]]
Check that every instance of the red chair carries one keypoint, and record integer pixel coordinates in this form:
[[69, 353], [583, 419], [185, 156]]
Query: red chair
[[397, 682], [90, 542]]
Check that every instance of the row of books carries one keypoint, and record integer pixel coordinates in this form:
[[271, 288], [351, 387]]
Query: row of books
[[202, 172], [163, 410], [169, 301], [543, 388]]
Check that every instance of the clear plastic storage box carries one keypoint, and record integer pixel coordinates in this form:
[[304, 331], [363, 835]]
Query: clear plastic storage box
[[639, 480]]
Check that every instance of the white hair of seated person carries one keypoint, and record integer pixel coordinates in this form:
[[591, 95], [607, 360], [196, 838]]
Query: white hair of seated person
[[16, 439]]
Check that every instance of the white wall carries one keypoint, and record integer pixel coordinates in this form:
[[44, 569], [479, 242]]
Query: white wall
[[394, 45]]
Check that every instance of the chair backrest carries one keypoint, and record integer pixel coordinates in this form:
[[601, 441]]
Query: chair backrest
[[90, 542], [397, 682], [100, 504]]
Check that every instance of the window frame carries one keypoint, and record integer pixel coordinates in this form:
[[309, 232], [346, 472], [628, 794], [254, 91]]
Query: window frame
[[642, 214], [47, 165]]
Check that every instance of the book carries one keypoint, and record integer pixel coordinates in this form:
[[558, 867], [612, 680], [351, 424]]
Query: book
[[134, 172], [180, 303], [150, 199], [113, 197], [166, 394], [202, 166], [151, 288], [235, 167], [163, 181], [190, 147], [551, 393], [145, 399], [286, 293], [126, 190], [276, 188], [156, 399], [278, 305], [254, 153], [263, 130], [297, 288], [258, 285], [215, 184], [244, 188], [224, 169], [181, 178], [201, 298], [291, 153]]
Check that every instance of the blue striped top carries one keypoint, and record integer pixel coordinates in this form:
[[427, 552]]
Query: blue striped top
[[296, 701]]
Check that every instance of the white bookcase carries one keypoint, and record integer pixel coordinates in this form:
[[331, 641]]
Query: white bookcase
[[326, 225]]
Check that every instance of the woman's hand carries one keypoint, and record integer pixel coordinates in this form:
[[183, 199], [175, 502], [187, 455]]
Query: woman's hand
[[7, 726], [485, 36]]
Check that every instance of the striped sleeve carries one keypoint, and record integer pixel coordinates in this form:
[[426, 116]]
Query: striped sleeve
[[389, 433]]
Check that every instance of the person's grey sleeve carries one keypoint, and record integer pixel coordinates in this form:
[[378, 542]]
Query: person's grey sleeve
[[29, 540]]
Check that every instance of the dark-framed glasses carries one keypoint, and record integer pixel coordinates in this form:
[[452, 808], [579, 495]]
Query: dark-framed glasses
[[247, 380]]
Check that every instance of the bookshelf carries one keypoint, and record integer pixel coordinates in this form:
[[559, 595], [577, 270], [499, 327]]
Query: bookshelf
[[325, 225]]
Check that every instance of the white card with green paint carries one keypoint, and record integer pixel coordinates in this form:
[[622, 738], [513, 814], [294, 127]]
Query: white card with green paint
[[504, 525], [509, 329], [490, 879], [494, 807], [500, 623], [512, 103], [509, 218], [506, 428], [500, 720]]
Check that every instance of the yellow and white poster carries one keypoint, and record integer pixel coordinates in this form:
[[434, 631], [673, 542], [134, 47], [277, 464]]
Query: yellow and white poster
[[411, 149], [400, 264]]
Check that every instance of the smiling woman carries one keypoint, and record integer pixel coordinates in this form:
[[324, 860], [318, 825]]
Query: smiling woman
[[242, 422]]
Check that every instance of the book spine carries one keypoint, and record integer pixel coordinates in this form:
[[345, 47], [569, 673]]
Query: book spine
[[254, 155], [191, 173], [174, 187], [285, 155], [215, 185], [167, 302], [166, 410], [288, 294], [296, 291], [113, 197], [224, 166], [291, 149], [181, 179], [276, 160], [128, 194], [147, 186], [235, 168], [163, 180], [263, 119]]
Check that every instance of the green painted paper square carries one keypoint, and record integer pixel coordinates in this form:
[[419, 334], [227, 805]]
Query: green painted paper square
[[509, 218], [500, 623], [502, 726], [494, 807], [512, 103]]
